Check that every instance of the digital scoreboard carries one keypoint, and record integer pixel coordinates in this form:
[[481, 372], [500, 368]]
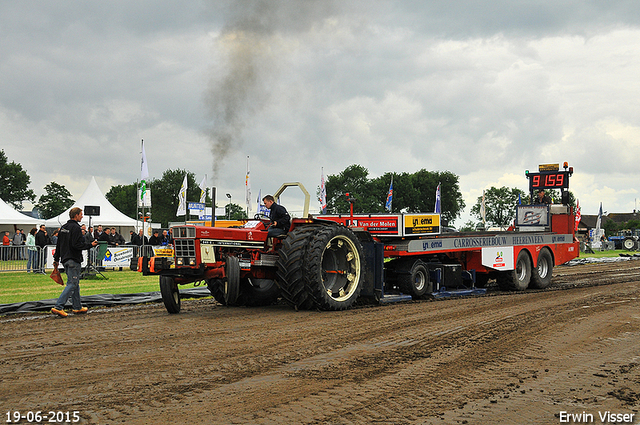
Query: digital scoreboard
[[549, 177], [555, 180]]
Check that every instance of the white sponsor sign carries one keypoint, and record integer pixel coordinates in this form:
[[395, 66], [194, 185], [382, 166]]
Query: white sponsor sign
[[532, 215], [114, 257], [117, 257], [498, 258]]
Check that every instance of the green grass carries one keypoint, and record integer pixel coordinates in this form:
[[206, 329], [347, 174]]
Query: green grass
[[601, 254], [16, 287]]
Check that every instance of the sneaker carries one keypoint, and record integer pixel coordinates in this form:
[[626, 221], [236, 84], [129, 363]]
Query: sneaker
[[60, 313], [83, 310]]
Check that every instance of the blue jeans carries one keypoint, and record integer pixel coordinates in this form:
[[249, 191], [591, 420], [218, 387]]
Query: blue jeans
[[72, 269], [274, 231], [32, 261]]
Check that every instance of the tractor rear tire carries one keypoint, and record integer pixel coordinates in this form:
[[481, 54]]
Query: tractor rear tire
[[541, 275], [518, 279], [170, 294], [629, 243], [334, 268], [417, 282], [290, 267]]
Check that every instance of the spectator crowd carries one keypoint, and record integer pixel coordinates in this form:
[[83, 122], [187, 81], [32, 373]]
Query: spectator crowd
[[31, 246]]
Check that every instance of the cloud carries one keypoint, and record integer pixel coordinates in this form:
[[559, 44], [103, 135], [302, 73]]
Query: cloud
[[485, 90]]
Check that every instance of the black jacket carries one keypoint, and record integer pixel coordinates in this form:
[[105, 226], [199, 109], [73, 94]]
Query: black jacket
[[71, 243], [104, 237], [118, 239], [41, 239], [280, 215]]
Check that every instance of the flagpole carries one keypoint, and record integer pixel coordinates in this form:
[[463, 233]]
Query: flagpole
[[144, 171], [483, 212], [247, 188], [139, 204], [323, 193]]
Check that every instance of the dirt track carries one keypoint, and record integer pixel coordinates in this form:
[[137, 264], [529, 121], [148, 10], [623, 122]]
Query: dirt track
[[503, 359]]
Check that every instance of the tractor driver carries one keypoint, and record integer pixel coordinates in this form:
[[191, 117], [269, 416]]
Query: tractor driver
[[280, 219]]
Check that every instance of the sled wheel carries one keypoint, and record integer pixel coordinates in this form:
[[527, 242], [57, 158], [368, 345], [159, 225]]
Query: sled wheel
[[519, 278], [482, 279], [541, 275], [334, 268], [170, 294], [417, 282]]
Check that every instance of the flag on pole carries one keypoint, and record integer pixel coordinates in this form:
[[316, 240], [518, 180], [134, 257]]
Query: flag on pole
[[519, 199], [599, 221], [182, 198], [437, 209], [144, 173], [323, 194], [578, 215], [389, 202], [203, 189], [247, 184], [262, 210], [483, 211]]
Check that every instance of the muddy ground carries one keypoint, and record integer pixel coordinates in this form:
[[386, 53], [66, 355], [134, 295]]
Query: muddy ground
[[500, 359]]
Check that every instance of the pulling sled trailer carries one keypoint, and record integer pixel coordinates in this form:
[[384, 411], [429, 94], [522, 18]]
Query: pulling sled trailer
[[328, 262]]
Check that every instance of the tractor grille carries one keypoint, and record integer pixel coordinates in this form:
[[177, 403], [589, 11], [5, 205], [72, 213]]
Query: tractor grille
[[184, 232], [185, 247]]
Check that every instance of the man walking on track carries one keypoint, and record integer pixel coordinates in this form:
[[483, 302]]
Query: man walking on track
[[69, 248]]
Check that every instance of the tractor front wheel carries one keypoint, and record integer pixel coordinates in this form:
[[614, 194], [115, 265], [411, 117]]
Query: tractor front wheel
[[170, 294], [232, 281]]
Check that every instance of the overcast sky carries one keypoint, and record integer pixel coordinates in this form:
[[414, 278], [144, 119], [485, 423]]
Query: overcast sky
[[482, 89]]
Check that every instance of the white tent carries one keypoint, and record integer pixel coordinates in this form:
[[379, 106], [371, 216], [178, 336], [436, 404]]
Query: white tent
[[10, 216], [109, 215]]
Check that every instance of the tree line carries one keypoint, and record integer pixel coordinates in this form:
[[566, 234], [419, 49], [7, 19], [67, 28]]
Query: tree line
[[412, 192]]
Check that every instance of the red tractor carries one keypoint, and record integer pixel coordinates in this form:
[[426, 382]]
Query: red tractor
[[318, 264]]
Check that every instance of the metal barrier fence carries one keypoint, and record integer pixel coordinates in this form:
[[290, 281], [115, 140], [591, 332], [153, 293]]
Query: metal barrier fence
[[21, 258], [37, 260]]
